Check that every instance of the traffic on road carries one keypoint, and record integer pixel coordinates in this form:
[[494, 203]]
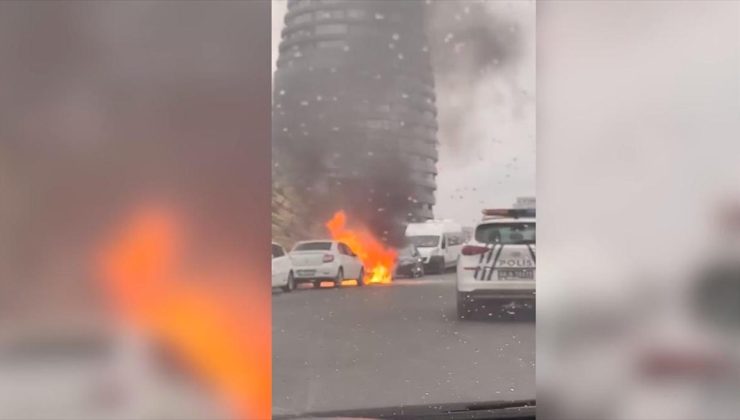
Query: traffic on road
[[477, 316], [494, 270]]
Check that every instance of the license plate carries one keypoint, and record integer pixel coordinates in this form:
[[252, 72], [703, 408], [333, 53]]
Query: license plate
[[306, 272], [515, 274]]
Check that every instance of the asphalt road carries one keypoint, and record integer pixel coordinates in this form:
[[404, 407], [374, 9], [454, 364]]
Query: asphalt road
[[392, 345]]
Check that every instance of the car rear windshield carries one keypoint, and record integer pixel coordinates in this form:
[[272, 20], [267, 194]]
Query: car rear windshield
[[506, 233], [313, 246], [424, 241]]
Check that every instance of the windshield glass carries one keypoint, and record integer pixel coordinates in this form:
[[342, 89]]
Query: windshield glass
[[407, 251], [400, 130], [313, 246], [425, 241], [506, 233]]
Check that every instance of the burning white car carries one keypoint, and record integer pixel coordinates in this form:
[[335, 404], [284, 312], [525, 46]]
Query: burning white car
[[317, 261]]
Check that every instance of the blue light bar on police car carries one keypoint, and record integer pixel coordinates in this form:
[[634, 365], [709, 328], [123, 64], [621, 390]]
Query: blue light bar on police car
[[512, 213]]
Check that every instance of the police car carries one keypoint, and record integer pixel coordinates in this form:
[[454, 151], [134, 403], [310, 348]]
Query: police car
[[497, 266]]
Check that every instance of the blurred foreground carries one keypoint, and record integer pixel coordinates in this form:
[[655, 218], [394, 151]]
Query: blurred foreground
[[134, 144], [639, 272]]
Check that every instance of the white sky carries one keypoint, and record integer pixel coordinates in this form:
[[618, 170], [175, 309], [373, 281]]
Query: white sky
[[278, 12], [503, 165]]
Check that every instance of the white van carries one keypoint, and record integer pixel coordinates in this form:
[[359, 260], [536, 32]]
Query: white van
[[438, 241]]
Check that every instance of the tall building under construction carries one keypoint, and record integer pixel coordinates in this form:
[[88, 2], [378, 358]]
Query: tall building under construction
[[354, 115]]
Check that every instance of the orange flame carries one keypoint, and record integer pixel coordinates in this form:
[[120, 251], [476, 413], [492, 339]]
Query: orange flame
[[144, 273], [376, 258]]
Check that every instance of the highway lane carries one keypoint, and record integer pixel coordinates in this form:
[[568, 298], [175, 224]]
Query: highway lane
[[389, 345]]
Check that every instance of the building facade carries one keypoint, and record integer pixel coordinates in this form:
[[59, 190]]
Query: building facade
[[354, 115]]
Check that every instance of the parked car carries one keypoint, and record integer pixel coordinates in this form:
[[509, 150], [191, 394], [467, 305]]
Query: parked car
[[410, 263], [438, 241], [327, 260], [282, 269]]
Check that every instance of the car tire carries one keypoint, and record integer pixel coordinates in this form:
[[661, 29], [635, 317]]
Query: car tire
[[361, 278], [339, 278], [464, 306], [290, 286]]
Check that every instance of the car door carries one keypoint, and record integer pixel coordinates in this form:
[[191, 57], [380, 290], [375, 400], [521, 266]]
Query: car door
[[357, 264], [349, 262], [285, 265], [446, 251], [453, 249], [280, 265], [344, 260]]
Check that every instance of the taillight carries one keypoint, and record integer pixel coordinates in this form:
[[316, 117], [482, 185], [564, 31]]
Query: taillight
[[473, 250], [672, 362], [328, 258]]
